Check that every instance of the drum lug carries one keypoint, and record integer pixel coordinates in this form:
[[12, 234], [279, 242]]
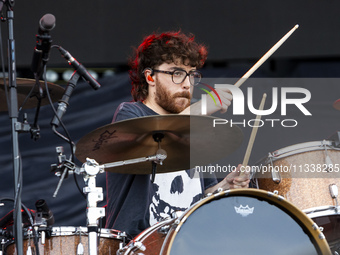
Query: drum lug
[[333, 189], [276, 177], [321, 235], [164, 230], [139, 245], [328, 160]]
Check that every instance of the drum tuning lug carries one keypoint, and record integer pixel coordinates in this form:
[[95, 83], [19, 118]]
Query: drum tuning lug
[[322, 236], [176, 214], [315, 226], [122, 236], [139, 246], [80, 249], [164, 230], [176, 222]]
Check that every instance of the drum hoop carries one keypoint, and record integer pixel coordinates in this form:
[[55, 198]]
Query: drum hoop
[[140, 237], [71, 231], [298, 148], [321, 211], [282, 203]]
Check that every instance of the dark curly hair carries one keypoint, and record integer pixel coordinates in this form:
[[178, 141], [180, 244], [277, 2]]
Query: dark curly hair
[[156, 49]]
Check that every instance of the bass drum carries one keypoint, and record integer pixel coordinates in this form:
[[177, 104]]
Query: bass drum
[[66, 240], [235, 222]]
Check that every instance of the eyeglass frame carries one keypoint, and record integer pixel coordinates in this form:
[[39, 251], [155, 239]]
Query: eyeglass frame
[[172, 74]]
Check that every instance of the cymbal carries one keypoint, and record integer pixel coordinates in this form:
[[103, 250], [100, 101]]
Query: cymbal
[[336, 105], [189, 141], [24, 87]]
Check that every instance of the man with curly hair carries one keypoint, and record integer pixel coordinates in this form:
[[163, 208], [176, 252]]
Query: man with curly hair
[[163, 73]]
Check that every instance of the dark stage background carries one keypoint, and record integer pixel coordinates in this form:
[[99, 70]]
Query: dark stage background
[[101, 34]]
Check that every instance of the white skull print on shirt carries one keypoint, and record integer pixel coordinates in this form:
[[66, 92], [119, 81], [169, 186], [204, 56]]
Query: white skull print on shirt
[[175, 191]]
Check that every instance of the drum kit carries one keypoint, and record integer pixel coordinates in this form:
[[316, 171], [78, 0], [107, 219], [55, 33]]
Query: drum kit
[[280, 214], [272, 217]]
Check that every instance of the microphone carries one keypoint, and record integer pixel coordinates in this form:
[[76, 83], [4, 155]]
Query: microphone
[[80, 69], [43, 42], [44, 212], [63, 103]]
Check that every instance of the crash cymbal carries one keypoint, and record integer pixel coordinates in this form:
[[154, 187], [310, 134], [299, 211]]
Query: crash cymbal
[[188, 140], [24, 87], [336, 105]]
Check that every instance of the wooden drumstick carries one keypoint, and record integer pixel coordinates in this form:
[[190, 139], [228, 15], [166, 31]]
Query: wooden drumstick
[[265, 57], [253, 133]]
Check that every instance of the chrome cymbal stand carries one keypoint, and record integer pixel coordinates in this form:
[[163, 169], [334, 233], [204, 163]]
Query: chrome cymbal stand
[[94, 195]]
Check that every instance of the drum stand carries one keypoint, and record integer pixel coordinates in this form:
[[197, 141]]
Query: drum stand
[[94, 195], [90, 169]]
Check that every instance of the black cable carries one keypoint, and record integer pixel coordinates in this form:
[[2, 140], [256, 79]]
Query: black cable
[[68, 137], [36, 78], [29, 214], [23, 206], [18, 191]]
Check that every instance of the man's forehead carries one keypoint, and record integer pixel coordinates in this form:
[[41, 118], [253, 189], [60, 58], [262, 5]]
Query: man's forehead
[[178, 65]]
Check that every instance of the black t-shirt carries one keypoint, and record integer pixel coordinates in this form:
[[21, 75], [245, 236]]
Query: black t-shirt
[[134, 203]]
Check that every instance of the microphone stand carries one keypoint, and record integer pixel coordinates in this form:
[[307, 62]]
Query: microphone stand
[[13, 115]]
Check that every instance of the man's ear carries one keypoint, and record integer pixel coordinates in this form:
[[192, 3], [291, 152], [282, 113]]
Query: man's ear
[[148, 76]]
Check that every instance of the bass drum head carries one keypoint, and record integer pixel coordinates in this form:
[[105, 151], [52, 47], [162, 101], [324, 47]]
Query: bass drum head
[[245, 221]]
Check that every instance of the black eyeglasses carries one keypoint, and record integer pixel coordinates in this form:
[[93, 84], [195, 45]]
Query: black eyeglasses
[[178, 76]]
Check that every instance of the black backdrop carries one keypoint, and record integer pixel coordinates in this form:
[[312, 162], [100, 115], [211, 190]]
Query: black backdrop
[[101, 33]]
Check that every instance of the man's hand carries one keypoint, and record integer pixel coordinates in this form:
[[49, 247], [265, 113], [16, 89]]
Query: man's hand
[[235, 180], [226, 98]]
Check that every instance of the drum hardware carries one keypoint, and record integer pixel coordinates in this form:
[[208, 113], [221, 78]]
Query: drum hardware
[[184, 135], [328, 160], [80, 247], [42, 220], [333, 189], [63, 168], [276, 177], [29, 233], [123, 237], [94, 195], [141, 242], [3, 243], [164, 230]]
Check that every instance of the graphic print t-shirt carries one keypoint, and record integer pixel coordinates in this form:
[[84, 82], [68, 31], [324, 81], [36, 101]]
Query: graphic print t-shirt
[[134, 203]]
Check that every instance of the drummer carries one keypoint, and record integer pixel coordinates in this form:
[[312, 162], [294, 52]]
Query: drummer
[[163, 73]]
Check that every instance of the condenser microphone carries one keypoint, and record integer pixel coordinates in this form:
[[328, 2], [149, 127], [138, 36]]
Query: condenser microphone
[[81, 70], [45, 212], [43, 42]]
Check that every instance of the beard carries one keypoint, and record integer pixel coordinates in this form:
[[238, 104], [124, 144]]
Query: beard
[[174, 103]]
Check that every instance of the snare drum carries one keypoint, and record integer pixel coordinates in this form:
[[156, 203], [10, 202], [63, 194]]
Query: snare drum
[[315, 196], [301, 173], [237, 222], [65, 240]]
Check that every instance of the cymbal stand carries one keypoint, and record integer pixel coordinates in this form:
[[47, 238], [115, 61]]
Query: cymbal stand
[[94, 195], [156, 159]]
